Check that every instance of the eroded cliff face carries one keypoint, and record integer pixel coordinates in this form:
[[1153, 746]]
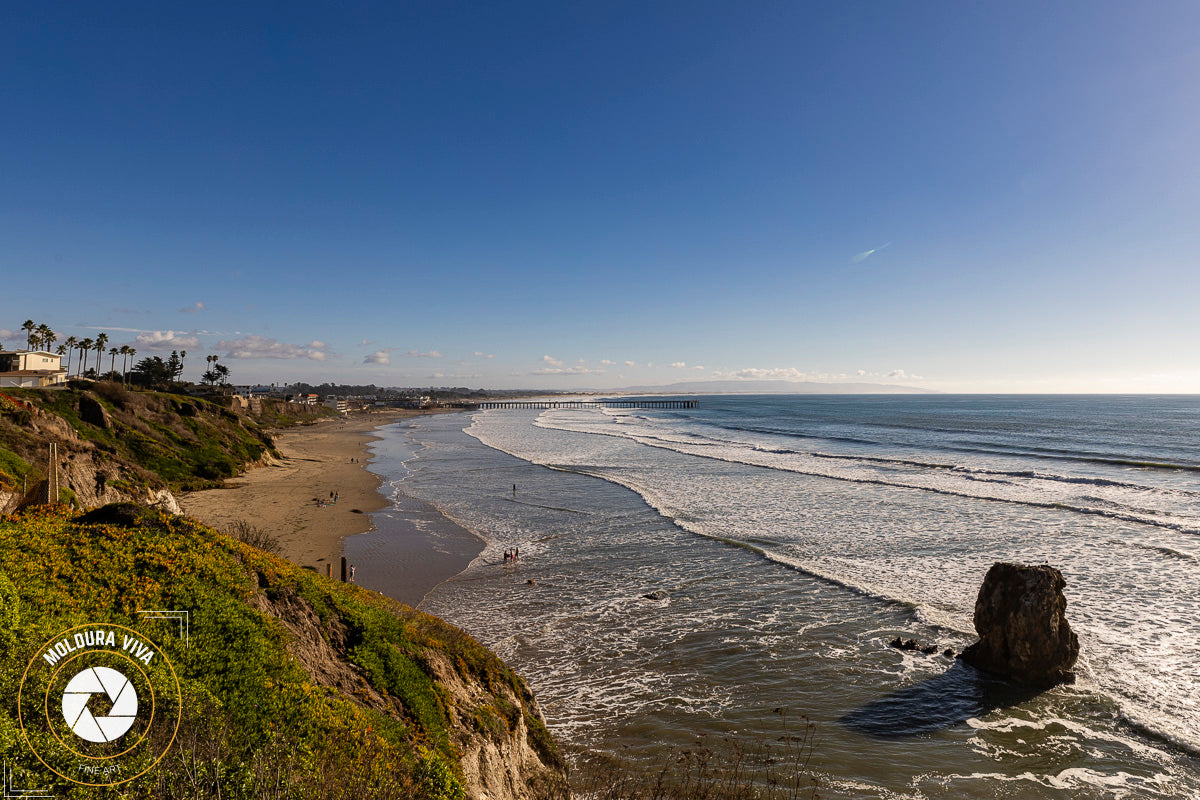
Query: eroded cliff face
[[117, 445], [506, 751], [92, 475], [493, 720]]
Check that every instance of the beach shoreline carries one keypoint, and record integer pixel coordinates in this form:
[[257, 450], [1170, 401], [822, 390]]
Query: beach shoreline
[[318, 463]]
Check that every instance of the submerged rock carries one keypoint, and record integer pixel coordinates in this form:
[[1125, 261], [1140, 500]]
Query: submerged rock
[[1020, 616], [912, 644], [657, 594]]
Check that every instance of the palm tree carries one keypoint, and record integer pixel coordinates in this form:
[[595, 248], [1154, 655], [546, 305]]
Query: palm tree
[[211, 373], [71, 344], [223, 371], [29, 327], [46, 337], [112, 360], [132, 353], [101, 343], [182, 356], [84, 346]]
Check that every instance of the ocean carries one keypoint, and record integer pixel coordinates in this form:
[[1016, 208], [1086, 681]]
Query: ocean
[[717, 571]]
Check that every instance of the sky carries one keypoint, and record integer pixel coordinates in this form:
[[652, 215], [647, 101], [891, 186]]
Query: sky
[[964, 197]]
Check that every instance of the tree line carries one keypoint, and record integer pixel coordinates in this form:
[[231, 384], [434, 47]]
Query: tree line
[[151, 371]]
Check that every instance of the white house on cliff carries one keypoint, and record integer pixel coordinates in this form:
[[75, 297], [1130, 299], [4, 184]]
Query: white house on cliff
[[30, 369]]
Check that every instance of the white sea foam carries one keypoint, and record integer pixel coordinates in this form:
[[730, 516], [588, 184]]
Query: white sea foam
[[910, 537]]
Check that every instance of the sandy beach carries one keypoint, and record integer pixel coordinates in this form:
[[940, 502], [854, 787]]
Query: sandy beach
[[317, 460]]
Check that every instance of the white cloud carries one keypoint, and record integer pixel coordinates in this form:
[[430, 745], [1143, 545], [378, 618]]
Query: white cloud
[[606, 362], [793, 374], [554, 362], [481, 354], [861, 257], [192, 309], [454, 376], [165, 340], [631, 363], [378, 357], [677, 365], [697, 367], [419, 354], [775, 373], [567, 371], [316, 345], [7, 334], [253, 346]]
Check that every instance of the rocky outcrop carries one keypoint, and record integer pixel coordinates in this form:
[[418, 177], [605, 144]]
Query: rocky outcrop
[[93, 412], [496, 726], [503, 756], [1020, 616], [163, 500]]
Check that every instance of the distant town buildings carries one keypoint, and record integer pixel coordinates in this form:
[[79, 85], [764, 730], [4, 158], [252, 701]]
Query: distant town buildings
[[30, 369]]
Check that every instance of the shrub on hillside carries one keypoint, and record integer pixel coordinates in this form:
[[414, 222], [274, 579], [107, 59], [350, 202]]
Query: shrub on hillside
[[256, 537], [114, 393]]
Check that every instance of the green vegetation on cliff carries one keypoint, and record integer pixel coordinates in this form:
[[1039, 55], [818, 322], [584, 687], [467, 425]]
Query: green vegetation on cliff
[[145, 440], [294, 685]]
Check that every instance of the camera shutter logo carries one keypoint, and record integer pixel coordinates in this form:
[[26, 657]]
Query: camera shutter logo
[[79, 691], [99, 704]]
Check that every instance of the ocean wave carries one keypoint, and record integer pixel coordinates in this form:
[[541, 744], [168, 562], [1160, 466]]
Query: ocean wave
[[932, 617], [890, 588], [985, 447], [650, 436], [1170, 552], [1114, 510]]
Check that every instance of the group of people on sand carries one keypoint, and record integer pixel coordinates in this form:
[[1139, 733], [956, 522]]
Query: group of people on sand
[[333, 498], [511, 555]]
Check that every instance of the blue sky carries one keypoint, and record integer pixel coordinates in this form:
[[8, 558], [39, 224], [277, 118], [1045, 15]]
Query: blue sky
[[963, 197]]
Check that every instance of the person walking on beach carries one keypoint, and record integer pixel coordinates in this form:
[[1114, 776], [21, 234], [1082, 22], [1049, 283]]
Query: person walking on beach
[[352, 573], [514, 490]]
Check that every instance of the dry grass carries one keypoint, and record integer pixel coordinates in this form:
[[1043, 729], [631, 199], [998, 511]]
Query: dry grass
[[772, 766], [256, 537]]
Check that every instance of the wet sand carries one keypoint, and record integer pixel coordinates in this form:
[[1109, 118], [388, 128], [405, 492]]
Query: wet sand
[[327, 457], [412, 549], [399, 546]]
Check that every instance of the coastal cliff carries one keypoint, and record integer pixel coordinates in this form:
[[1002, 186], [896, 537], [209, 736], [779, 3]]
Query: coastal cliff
[[293, 684], [291, 680], [114, 444]]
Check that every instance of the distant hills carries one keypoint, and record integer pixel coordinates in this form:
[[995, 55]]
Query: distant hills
[[775, 387]]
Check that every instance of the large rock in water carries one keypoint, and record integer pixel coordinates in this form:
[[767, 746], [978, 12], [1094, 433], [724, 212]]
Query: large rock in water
[[1020, 616]]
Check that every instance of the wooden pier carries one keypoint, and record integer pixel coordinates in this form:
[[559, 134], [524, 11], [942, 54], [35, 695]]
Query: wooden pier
[[546, 404]]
